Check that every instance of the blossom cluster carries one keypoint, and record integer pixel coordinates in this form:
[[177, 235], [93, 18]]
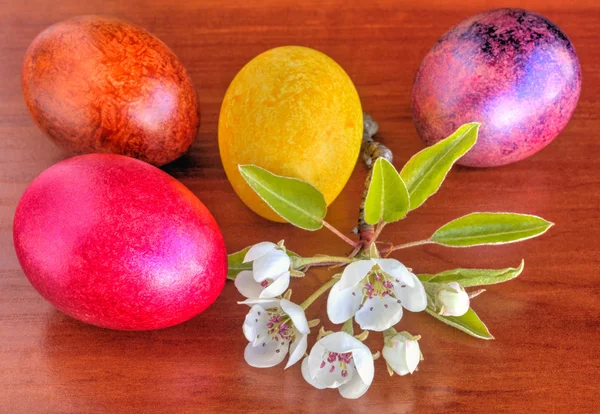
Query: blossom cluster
[[373, 292]]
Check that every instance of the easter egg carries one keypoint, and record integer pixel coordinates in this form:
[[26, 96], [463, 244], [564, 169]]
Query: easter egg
[[512, 70], [117, 243], [99, 84], [295, 112]]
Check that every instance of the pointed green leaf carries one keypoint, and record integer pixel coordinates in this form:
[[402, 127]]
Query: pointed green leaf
[[490, 228], [387, 197], [295, 200], [427, 169], [235, 262], [474, 277], [468, 323]]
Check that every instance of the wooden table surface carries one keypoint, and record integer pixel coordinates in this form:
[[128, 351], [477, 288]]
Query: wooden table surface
[[545, 357]]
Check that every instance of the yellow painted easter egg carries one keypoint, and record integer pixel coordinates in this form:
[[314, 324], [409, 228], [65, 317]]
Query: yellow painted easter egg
[[295, 112]]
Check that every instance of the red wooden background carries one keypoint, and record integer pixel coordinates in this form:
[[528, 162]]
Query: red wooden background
[[545, 357]]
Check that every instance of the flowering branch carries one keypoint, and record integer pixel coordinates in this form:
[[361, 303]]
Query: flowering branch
[[370, 291]]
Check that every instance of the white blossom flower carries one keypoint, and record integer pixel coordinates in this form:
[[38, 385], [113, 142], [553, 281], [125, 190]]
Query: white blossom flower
[[402, 353], [453, 300], [374, 292], [340, 361], [271, 327], [270, 274]]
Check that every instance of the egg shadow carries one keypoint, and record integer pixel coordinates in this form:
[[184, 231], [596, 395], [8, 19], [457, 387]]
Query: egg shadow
[[108, 370]]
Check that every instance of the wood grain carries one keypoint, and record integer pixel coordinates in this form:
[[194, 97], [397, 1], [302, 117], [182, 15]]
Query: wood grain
[[545, 357]]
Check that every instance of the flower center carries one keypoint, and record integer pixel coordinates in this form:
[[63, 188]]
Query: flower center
[[378, 284], [335, 361], [280, 328]]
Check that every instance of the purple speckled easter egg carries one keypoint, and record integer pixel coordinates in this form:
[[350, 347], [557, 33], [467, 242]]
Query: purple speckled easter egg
[[512, 70]]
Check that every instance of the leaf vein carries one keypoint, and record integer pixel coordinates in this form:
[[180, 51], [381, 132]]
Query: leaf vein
[[493, 234], [442, 157], [281, 198]]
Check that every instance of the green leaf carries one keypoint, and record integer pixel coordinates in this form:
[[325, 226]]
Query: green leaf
[[469, 323], [295, 200], [490, 228], [387, 197], [427, 169], [235, 262], [474, 277]]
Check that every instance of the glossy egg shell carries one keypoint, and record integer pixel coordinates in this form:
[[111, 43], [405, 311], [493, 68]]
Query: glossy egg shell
[[99, 84], [512, 70], [117, 243], [295, 112]]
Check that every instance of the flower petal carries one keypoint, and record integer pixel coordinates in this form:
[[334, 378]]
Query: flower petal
[[413, 298], [271, 265], [354, 388], [310, 379], [255, 325], [315, 357], [396, 270], [354, 273], [342, 304], [277, 287], [379, 314], [332, 373], [265, 355], [296, 313], [364, 364], [413, 355], [341, 342], [258, 250], [246, 285], [297, 350]]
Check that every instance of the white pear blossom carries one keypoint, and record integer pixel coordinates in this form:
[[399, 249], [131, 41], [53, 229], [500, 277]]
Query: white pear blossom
[[270, 274], [402, 353], [340, 361], [453, 300], [273, 328], [374, 292]]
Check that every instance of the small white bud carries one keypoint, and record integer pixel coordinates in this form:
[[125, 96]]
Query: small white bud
[[402, 353], [453, 299]]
